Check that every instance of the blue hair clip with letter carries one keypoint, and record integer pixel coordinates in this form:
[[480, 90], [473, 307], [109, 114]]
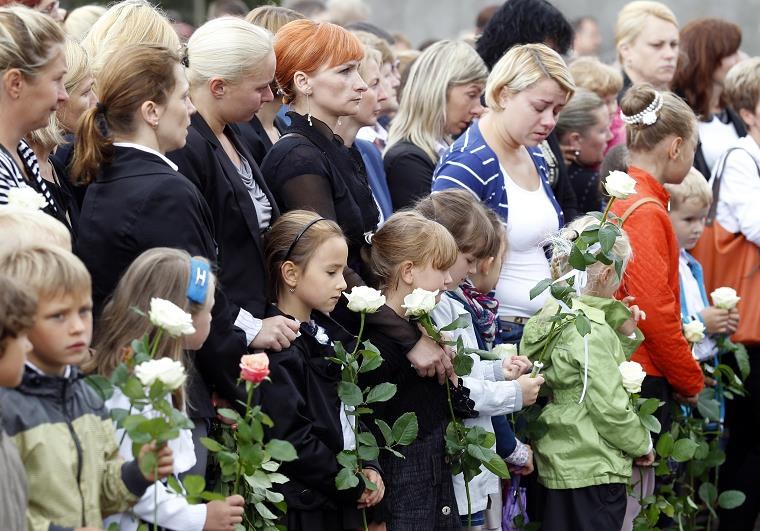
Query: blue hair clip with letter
[[200, 277]]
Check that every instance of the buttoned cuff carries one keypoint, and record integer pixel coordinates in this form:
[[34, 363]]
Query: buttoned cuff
[[248, 324]]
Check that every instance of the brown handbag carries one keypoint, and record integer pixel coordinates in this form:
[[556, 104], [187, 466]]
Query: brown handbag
[[729, 259]]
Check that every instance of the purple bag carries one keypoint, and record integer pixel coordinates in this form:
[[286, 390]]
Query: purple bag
[[513, 514]]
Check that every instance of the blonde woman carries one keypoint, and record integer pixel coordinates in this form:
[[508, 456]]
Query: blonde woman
[[440, 99], [32, 65], [79, 21], [646, 39], [497, 160]]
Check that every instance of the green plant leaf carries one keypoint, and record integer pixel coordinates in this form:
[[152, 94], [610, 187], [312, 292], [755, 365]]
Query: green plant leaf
[[651, 423], [405, 429], [649, 406], [386, 431], [381, 393], [101, 384], [274, 497], [259, 480], [463, 321], [394, 452], [370, 361], [607, 237], [576, 259], [742, 359], [368, 453], [665, 445], [708, 493], [270, 466], [147, 463], [731, 499], [277, 478], [582, 324], [683, 450], [281, 450], [707, 405], [347, 459], [194, 484], [462, 364], [264, 511], [211, 444], [133, 389], [174, 485], [366, 438], [539, 288], [230, 414], [350, 393], [346, 479]]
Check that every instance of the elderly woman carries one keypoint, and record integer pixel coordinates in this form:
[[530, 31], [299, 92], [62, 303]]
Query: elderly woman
[[440, 99], [497, 160]]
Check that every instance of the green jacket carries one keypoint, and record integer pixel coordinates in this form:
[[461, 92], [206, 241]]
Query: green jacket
[[594, 442]]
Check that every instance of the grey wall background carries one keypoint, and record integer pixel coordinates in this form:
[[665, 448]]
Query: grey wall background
[[425, 19]]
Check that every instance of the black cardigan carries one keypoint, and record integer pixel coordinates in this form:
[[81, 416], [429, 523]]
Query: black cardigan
[[242, 271], [409, 172]]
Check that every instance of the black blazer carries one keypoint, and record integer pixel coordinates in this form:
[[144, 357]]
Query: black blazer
[[409, 172], [137, 203], [242, 270]]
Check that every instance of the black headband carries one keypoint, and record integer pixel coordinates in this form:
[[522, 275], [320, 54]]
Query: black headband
[[295, 242]]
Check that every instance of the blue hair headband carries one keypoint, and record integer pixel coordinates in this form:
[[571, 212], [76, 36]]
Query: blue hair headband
[[200, 277]]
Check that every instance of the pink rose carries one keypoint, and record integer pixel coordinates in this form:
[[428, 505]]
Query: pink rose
[[254, 367]]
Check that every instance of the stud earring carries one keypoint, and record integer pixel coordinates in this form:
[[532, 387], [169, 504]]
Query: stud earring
[[155, 125], [292, 290]]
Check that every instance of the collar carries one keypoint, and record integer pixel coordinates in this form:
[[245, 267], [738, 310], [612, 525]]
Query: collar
[[147, 150], [317, 125], [649, 186], [32, 366]]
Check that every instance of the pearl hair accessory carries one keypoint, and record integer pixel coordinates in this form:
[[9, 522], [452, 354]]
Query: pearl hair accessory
[[648, 116]]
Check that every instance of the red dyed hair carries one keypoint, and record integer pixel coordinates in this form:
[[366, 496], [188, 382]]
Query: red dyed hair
[[306, 46], [704, 43]]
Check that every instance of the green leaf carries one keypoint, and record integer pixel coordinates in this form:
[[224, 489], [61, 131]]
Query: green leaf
[[708, 493], [582, 324], [231, 414], [618, 266], [101, 384], [174, 485], [133, 389], [370, 361], [277, 478], [347, 459], [463, 321], [386, 431], [346, 479], [607, 237], [651, 423], [742, 360], [405, 429], [211, 444], [147, 463], [212, 496], [576, 259], [462, 364], [259, 480], [489, 459], [394, 452], [274, 497], [281, 450], [350, 393], [665, 445], [381, 393], [731, 499], [366, 438], [264, 511], [368, 453], [119, 414], [194, 484], [368, 484], [707, 405], [561, 290], [649, 406], [539, 288], [683, 450]]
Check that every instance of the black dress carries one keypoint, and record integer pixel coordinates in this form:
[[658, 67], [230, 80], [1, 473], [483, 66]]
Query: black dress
[[301, 398], [309, 168], [585, 182], [409, 172]]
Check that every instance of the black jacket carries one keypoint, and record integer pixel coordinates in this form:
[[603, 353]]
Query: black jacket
[[240, 257], [409, 172], [301, 397], [137, 203], [256, 139]]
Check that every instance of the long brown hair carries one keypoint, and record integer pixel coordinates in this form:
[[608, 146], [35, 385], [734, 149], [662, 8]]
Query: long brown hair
[[704, 43], [160, 272], [131, 76]]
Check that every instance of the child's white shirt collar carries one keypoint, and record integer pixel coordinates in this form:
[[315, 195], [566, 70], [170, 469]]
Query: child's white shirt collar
[[66, 371]]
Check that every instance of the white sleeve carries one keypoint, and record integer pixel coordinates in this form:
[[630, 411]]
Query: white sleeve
[[494, 398], [248, 324], [739, 196]]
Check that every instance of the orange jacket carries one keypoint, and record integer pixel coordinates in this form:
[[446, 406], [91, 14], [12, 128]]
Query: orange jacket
[[652, 277]]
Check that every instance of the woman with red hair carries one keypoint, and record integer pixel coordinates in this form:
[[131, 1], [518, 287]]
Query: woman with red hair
[[710, 48]]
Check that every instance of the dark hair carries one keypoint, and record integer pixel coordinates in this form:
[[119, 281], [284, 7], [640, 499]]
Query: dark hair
[[17, 309], [524, 22], [371, 28], [485, 15], [704, 43], [131, 76]]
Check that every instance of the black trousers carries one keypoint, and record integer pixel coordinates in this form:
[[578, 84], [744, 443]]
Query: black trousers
[[741, 471], [595, 508]]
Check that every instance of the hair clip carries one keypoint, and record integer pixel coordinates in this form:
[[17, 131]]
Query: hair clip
[[100, 108], [368, 237], [649, 115], [197, 286]]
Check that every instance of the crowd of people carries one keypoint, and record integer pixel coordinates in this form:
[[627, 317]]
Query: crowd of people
[[254, 169]]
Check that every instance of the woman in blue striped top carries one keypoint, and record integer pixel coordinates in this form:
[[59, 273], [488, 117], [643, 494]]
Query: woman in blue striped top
[[497, 160]]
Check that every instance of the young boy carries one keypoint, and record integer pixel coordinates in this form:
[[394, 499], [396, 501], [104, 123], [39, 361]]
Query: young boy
[[689, 203], [61, 427], [17, 308]]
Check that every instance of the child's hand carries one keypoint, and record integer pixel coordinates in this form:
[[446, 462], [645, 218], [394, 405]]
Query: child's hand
[[223, 515], [276, 333], [686, 400], [733, 321], [645, 460], [165, 459], [372, 497], [530, 387], [515, 367], [716, 320], [637, 314], [429, 359], [527, 468]]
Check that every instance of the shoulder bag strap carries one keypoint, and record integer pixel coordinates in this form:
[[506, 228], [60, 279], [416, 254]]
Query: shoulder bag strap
[[719, 179], [636, 205]]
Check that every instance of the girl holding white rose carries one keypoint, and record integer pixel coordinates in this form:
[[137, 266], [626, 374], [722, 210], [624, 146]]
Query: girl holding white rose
[[593, 433], [181, 283], [305, 257]]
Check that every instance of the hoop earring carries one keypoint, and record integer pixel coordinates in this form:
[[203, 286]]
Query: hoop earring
[[308, 110]]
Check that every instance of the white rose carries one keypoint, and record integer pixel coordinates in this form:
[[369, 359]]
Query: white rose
[[694, 332], [619, 185], [170, 317], [26, 198], [169, 372], [364, 299], [633, 375], [419, 302], [725, 298], [505, 351]]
